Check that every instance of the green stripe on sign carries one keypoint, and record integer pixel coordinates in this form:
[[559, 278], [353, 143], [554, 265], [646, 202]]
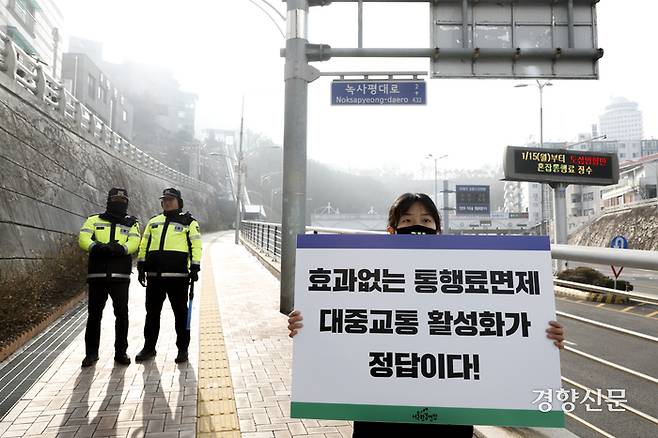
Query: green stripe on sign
[[421, 414]]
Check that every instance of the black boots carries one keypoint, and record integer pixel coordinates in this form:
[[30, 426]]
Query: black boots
[[89, 360], [145, 354], [182, 356], [122, 358]]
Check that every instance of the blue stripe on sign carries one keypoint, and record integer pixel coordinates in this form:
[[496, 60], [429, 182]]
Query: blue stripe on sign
[[405, 241]]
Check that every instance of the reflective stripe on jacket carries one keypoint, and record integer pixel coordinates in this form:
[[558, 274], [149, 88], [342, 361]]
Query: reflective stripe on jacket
[[98, 230], [170, 245]]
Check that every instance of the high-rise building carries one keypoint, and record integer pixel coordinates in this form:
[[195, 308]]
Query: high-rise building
[[622, 121], [513, 198], [534, 192], [37, 28]]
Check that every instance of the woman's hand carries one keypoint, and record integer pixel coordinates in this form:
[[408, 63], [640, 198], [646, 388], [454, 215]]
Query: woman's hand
[[295, 322], [555, 331]]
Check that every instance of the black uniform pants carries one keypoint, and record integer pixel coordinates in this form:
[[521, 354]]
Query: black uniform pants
[[156, 291], [98, 292]]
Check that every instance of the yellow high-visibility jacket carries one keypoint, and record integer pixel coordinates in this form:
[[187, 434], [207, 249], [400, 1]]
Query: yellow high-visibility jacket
[[102, 228], [170, 246]]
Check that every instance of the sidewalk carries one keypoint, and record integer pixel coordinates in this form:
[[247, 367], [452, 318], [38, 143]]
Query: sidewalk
[[156, 399], [260, 352]]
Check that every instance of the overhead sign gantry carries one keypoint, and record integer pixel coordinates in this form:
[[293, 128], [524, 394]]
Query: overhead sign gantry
[[514, 39], [553, 39]]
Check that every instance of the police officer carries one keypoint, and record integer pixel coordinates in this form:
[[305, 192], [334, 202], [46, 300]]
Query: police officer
[[110, 238], [169, 258]]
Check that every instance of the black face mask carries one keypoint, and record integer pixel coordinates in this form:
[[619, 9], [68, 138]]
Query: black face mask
[[117, 209], [415, 229], [172, 213]]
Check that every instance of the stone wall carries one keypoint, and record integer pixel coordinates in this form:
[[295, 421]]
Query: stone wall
[[638, 225], [53, 175]]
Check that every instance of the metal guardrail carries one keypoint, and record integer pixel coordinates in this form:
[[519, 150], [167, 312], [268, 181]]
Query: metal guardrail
[[27, 72], [635, 296], [267, 237], [630, 258]]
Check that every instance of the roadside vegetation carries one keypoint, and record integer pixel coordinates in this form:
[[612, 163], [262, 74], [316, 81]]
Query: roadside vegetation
[[30, 296], [591, 276]]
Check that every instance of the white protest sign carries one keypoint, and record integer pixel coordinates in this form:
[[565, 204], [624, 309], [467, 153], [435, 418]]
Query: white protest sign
[[425, 329]]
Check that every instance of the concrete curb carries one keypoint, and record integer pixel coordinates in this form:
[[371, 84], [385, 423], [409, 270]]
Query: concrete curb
[[521, 432], [591, 296], [26, 336], [272, 266]]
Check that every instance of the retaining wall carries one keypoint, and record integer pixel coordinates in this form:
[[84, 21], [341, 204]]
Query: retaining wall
[[53, 175], [638, 225]]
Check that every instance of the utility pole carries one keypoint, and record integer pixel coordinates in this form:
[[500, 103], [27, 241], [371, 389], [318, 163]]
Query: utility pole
[[436, 182], [540, 87], [436, 176], [238, 195], [446, 206]]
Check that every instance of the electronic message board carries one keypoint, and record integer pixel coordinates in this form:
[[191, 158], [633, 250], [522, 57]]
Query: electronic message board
[[560, 166], [472, 199]]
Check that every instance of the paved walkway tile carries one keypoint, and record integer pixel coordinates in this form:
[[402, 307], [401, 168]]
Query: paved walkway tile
[[153, 399], [243, 369], [259, 350]]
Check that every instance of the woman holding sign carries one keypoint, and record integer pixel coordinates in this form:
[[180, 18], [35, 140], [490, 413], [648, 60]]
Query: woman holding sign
[[416, 213]]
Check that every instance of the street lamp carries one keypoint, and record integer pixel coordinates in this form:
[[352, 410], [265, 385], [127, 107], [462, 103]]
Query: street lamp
[[540, 87], [436, 186]]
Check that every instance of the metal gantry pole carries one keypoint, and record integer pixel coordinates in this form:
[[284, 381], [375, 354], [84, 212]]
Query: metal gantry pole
[[543, 229], [360, 24], [297, 75], [560, 216]]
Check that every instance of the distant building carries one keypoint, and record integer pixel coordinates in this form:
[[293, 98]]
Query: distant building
[[93, 49], [93, 88], [621, 120], [649, 147], [533, 191], [219, 137], [626, 150], [637, 182], [350, 221], [495, 223], [159, 95], [37, 27], [513, 197], [583, 205]]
